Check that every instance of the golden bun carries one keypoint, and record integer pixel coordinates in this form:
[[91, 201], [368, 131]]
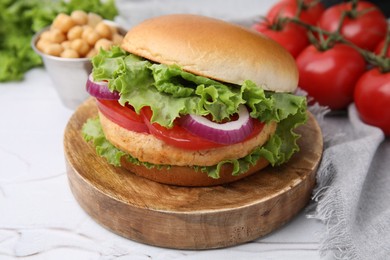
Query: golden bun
[[188, 176], [214, 49]]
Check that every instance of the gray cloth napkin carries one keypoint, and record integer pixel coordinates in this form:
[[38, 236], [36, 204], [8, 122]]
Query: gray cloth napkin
[[353, 189]]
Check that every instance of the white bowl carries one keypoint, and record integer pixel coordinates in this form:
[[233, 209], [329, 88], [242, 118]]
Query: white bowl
[[69, 75]]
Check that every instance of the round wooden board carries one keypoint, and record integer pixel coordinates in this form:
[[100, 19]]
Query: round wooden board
[[184, 217]]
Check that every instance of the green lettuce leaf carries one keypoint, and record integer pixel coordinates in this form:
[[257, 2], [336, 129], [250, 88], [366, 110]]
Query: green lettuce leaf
[[172, 92], [92, 131]]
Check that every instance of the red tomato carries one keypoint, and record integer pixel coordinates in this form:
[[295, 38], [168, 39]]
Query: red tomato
[[180, 137], [372, 99], [288, 8], [125, 117], [330, 76], [365, 30], [291, 36], [381, 45]]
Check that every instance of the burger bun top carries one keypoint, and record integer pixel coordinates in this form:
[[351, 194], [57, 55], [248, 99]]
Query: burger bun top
[[215, 49]]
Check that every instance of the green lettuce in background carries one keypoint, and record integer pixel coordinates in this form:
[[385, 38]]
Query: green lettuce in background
[[21, 19], [172, 92]]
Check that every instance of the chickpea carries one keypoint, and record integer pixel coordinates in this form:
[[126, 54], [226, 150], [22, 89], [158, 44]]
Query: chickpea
[[104, 44], [42, 43], [117, 39], [69, 53], [56, 36], [79, 17], [53, 49], [92, 38], [91, 53], [46, 35], [66, 44], [63, 22], [94, 19], [114, 30], [80, 46], [75, 32], [87, 30], [103, 29]]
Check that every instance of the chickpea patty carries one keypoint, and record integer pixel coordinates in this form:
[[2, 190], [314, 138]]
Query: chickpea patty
[[147, 148]]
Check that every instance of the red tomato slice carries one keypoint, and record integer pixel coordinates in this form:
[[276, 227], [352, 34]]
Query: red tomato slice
[[124, 116], [177, 136], [180, 137]]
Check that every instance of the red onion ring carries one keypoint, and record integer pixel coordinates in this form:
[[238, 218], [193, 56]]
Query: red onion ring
[[99, 89], [225, 133]]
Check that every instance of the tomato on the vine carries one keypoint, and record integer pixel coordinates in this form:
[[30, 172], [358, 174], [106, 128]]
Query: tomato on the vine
[[372, 99], [330, 76], [365, 26], [310, 13], [291, 36], [379, 48]]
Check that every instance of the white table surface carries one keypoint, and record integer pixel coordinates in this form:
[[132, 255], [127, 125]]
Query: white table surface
[[39, 217]]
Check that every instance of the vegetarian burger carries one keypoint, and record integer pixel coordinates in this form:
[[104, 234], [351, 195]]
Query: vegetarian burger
[[194, 101]]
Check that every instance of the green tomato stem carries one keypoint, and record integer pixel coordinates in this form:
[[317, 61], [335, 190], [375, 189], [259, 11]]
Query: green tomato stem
[[323, 43]]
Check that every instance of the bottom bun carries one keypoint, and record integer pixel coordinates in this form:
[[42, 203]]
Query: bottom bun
[[188, 176]]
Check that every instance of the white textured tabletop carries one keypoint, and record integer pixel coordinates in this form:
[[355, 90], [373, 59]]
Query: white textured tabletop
[[39, 217]]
